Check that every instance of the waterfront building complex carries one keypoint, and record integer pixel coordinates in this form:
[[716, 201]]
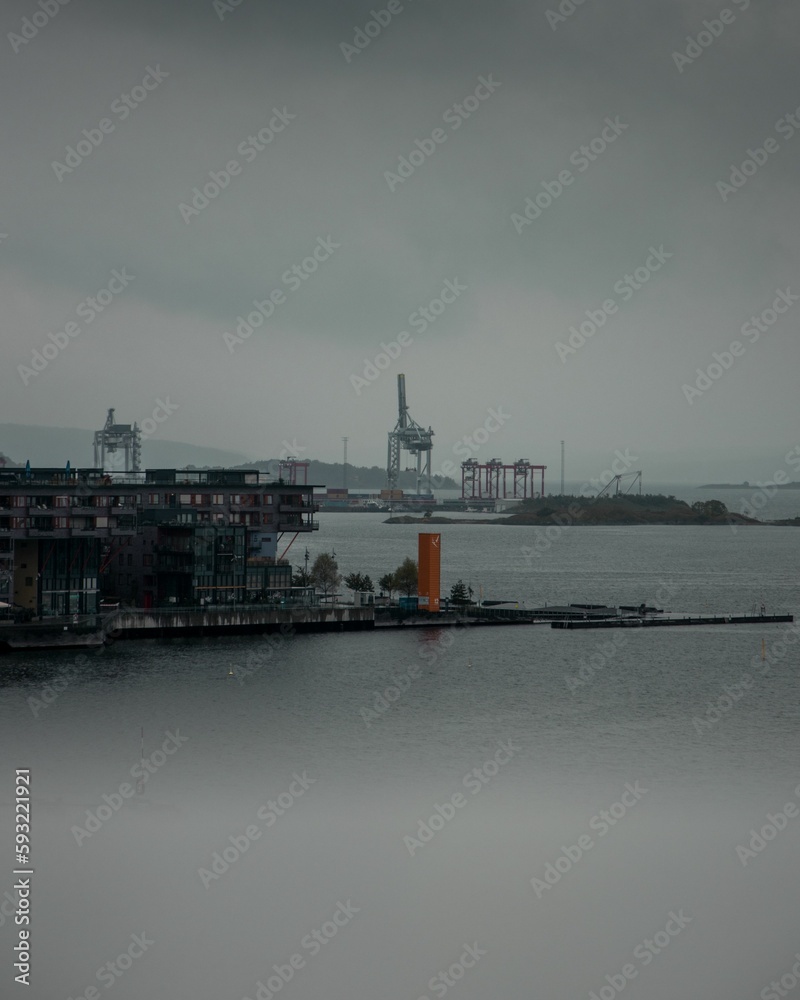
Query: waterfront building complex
[[70, 538]]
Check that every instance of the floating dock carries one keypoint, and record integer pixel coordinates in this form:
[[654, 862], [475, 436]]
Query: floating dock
[[671, 622]]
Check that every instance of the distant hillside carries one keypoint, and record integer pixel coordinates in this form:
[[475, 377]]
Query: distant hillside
[[55, 446], [359, 478]]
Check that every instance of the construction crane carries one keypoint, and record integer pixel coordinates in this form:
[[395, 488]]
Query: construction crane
[[409, 436], [114, 437], [633, 476]]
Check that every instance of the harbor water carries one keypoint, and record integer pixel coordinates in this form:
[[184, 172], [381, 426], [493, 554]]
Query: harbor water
[[401, 814]]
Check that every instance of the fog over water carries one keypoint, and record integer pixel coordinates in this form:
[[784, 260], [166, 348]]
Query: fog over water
[[304, 731]]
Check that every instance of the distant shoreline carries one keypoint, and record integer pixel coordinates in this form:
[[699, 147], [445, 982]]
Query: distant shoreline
[[749, 486], [736, 519]]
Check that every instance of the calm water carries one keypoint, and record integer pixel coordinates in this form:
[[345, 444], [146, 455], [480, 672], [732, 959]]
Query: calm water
[[409, 907]]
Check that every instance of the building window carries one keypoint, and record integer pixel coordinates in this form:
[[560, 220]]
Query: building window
[[152, 498], [218, 499]]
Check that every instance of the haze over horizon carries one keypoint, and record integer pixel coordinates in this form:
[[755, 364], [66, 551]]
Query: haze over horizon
[[515, 97]]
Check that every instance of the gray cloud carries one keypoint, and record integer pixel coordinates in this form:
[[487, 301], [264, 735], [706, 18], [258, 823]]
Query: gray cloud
[[324, 175]]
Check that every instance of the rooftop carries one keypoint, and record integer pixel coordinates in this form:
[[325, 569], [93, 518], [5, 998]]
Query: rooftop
[[65, 476]]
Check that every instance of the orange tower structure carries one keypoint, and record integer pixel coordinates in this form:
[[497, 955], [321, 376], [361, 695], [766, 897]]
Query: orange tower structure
[[428, 579]]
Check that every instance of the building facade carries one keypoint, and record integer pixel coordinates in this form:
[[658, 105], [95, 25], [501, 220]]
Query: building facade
[[160, 537]]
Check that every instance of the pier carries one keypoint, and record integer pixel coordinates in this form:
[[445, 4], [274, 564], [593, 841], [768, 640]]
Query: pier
[[671, 622]]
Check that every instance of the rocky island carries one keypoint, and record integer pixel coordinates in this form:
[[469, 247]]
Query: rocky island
[[629, 509]]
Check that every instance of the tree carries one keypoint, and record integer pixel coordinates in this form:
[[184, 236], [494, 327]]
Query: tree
[[357, 582], [458, 593], [710, 508], [325, 573], [301, 579], [388, 583], [406, 577]]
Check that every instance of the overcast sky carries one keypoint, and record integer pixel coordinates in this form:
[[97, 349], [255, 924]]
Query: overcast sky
[[330, 177]]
